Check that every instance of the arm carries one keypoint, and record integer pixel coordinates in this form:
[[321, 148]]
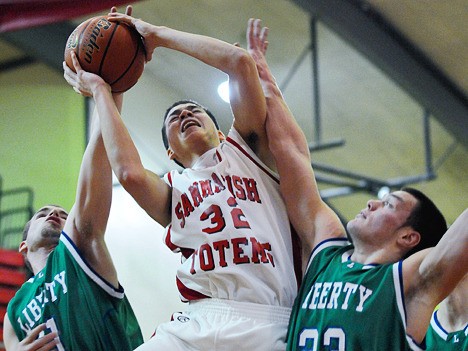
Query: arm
[[87, 221], [431, 275], [313, 220], [246, 97], [149, 190], [30, 342]]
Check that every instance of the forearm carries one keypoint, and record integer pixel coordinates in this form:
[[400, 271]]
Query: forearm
[[214, 52], [121, 151]]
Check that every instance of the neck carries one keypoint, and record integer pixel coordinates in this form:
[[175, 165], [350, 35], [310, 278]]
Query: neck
[[38, 259], [374, 255]]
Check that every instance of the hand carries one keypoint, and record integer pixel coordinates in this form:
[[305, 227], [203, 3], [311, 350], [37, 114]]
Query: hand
[[31, 342], [84, 83], [257, 45], [144, 28]]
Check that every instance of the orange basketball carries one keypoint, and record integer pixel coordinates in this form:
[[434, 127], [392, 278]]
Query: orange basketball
[[113, 50]]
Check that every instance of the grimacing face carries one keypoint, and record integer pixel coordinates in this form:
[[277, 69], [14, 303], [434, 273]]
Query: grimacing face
[[382, 218], [189, 130]]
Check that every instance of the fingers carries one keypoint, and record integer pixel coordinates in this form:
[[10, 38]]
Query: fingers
[[75, 61], [35, 333], [129, 10], [47, 342]]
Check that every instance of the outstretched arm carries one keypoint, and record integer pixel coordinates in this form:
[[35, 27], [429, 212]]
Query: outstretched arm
[[87, 220], [246, 97], [313, 220], [431, 275], [148, 189]]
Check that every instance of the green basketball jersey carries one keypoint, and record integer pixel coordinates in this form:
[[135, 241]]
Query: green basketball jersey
[[87, 312], [344, 305], [438, 339]]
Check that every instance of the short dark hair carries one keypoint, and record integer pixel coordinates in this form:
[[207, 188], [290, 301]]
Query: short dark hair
[[186, 101], [426, 219]]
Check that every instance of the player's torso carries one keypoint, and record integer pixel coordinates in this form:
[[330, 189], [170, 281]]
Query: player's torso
[[70, 303], [343, 305], [437, 338], [230, 223]]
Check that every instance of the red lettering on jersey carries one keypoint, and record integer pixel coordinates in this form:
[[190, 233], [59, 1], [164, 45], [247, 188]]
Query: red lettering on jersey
[[258, 250], [251, 188], [205, 186], [218, 184], [206, 258], [179, 214], [221, 246], [217, 220], [192, 267], [238, 251], [240, 193], [209, 256], [195, 192], [229, 184], [187, 205]]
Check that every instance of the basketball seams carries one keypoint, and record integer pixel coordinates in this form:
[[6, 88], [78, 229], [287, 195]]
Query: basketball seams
[[131, 62], [107, 48]]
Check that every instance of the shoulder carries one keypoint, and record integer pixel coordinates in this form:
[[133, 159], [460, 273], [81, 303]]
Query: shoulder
[[329, 249]]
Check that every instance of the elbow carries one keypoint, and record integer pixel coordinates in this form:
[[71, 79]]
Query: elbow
[[129, 177], [242, 62]]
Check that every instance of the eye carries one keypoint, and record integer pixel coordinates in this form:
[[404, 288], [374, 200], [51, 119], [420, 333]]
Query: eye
[[387, 203]]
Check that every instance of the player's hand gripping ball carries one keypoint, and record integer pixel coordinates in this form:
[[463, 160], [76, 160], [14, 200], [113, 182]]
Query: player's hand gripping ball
[[112, 50]]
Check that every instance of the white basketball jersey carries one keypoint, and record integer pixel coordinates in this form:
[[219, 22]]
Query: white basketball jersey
[[230, 225]]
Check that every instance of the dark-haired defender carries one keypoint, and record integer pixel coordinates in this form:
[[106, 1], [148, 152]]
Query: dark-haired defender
[[378, 293], [223, 213], [74, 300]]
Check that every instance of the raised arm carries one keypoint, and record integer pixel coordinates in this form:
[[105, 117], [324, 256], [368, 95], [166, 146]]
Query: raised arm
[[148, 189], [430, 276], [313, 220], [87, 220], [246, 97]]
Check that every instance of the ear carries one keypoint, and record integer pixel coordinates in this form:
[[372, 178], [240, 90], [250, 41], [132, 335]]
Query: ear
[[23, 248], [221, 136], [170, 154], [409, 238]]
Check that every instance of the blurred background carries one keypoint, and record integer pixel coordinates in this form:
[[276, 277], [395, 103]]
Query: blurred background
[[380, 89]]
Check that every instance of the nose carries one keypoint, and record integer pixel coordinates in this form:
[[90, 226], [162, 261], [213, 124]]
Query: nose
[[372, 204], [54, 212], [185, 113]]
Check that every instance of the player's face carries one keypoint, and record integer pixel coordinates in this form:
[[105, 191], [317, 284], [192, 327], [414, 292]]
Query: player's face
[[190, 130], [382, 218], [46, 227]]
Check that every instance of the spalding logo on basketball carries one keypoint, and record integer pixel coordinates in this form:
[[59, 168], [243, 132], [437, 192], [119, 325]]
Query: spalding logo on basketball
[[113, 50]]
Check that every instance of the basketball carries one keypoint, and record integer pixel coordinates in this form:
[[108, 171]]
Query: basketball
[[112, 50]]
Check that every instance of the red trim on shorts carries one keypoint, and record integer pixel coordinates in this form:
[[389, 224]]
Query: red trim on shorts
[[241, 149]]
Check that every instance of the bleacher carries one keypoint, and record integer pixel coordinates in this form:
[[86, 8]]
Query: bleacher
[[16, 208]]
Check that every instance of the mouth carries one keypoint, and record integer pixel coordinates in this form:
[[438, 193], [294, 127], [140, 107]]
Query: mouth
[[189, 123], [361, 214], [54, 220]]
